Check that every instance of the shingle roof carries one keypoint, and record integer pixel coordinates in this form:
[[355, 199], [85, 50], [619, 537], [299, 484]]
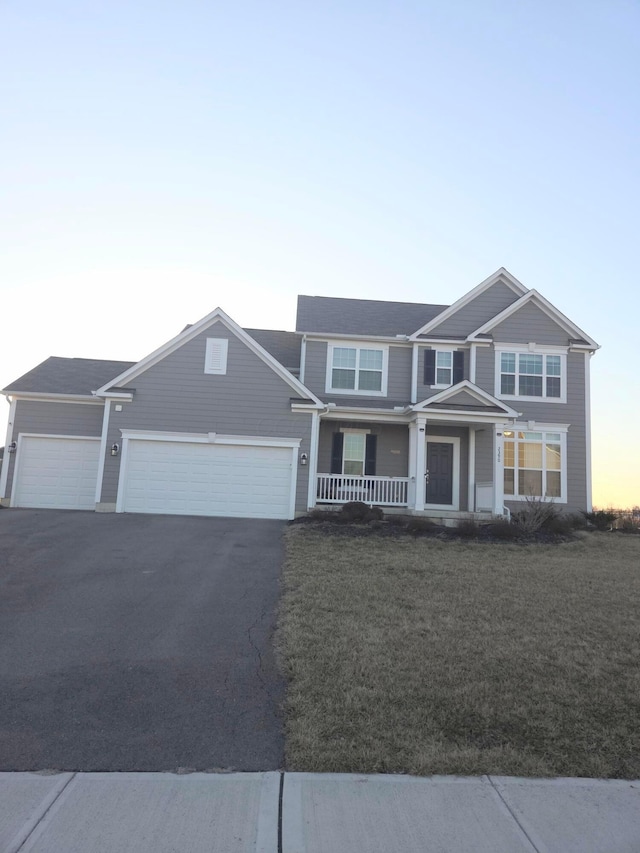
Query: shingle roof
[[283, 346], [362, 316], [69, 375]]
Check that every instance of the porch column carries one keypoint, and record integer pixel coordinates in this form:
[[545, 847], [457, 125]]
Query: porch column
[[498, 469], [418, 468], [471, 481]]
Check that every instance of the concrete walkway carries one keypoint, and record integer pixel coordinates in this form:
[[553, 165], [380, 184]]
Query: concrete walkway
[[314, 813]]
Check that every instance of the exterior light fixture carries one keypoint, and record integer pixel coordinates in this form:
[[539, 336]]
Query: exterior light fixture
[[12, 447], [115, 449]]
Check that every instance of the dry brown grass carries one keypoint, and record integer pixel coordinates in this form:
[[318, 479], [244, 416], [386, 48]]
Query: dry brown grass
[[424, 657]]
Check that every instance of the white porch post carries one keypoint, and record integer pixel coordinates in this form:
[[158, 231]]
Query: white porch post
[[419, 466], [471, 482], [313, 459], [498, 469]]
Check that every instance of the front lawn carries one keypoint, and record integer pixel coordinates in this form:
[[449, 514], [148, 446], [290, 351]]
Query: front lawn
[[419, 656]]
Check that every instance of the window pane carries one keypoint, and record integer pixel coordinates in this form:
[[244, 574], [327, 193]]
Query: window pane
[[443, 376], [507, 384], [369, 380], [509, 454], [529, 456], [531, 364], [531, 436], [444, 359], [553, 386], [371, 359], [530, 483], [531, 386], [353, 467], [343, 379], [354, 444], [508, 362], [553, 484], [552, 456], [553, 365], [344, 357], [552, 436], [508, 481]]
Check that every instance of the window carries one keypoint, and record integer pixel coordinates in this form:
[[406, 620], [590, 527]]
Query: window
[[215, 360], [359, 370], [530, 375], [353, 452], [443, 367], [534, 464]]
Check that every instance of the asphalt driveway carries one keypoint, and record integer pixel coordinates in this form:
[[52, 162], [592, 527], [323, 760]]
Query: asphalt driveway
[[138, 642]]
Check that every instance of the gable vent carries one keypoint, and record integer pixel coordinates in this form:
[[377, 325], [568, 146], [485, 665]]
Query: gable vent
[[216, 356]]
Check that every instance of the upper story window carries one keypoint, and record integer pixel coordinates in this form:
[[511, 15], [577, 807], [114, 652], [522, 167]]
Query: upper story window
[[357, 369], [443, 368], [531, 374]]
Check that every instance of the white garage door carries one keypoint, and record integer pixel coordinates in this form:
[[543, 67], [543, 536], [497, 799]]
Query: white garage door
[[184, 478], [56, 473]]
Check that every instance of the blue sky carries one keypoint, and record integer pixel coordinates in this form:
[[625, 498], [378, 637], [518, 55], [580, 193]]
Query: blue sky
[[161, 159]]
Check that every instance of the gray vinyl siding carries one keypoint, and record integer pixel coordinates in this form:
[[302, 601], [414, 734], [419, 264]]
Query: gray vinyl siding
[[530, 323], [398, 380], [484, 455], [392, 448], [37, 416], [176, 395], [426, 391], [477, 312]]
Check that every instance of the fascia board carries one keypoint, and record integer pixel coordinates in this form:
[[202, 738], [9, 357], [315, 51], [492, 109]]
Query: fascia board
[[371, 415], [43, 396], [467, 417], [217, 315], [398, 340], [500, 275], [550, 310]]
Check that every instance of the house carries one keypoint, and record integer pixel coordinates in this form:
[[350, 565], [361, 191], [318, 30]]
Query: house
[[420, 408]]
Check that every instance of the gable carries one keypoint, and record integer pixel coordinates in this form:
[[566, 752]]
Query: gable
[[530, 323], [225, 328], [466, 397], [478, 311]]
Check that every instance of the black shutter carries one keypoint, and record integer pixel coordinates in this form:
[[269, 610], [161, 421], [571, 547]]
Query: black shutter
[[370, 455], [458, 366], [336, 453], [429, 367]]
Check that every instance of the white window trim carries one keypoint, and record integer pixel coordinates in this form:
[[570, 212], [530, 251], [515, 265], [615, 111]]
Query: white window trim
[[536, 349], [365, 433], [357, 345], [223, 343], [443, 348], [531, 426]]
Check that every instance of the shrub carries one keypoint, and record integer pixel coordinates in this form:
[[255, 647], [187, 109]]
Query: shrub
[[468, 528], [419, 526], [502, 528], [537, 515], [601, 519], [357, 511], [628, 525]]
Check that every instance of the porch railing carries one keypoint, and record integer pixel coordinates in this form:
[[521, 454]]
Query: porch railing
[[378, 491]]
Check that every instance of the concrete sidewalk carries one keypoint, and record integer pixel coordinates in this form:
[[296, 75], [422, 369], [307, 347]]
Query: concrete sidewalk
[[314, 813]]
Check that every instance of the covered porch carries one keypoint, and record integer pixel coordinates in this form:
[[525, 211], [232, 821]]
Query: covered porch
[[436, 459]]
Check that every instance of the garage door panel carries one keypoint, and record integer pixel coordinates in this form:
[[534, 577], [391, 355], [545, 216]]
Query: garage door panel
[[184, 478], [56, 473]]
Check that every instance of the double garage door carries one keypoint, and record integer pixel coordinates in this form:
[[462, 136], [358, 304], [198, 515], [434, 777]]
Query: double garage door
[[167, 477], [184, 478]]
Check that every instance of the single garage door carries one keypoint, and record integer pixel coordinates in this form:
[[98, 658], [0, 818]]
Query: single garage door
[[56, 473], [184, 478]]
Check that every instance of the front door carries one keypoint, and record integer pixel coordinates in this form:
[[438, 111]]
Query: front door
[[439, 473]]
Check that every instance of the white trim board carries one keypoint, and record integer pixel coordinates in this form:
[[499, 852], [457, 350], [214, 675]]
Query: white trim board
[[455, 474], [6, 461]]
